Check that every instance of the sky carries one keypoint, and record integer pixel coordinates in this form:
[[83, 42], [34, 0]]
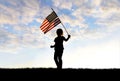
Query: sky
[[94, 27]]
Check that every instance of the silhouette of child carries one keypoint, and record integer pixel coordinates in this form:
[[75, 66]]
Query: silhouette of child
[[58, 47]]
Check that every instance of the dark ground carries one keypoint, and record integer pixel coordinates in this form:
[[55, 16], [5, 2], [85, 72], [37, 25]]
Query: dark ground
[[52, 73]]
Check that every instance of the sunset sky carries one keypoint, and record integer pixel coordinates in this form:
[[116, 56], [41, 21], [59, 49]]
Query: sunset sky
[[94, 26]]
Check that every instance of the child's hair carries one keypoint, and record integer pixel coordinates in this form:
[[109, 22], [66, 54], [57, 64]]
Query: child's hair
[[59, 32]]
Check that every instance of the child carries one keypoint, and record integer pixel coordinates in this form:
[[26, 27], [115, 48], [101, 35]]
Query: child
[[59, 47]]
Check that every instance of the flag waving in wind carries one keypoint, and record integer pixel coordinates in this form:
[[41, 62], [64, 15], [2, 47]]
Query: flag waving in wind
[[50, 22]]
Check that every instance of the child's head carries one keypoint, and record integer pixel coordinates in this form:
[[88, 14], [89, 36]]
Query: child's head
[[59, 32]]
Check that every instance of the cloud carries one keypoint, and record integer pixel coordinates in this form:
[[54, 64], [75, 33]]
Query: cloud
[[62, 4], [112, 24], [8, 42], [19, 15], [16, 12], [74, 22], [6, 15], [22, 38], [15, 32], [105, 15], [33, 40], [30, 36]]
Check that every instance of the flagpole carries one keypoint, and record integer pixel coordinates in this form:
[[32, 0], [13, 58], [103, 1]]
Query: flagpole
[[65, 28], [62, 24]]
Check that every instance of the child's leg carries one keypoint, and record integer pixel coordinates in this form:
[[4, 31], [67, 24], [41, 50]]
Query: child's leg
[[60, 59], [60, 63], [56, 60]]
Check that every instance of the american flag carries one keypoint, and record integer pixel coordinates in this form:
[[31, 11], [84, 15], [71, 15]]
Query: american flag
[[50, 22]]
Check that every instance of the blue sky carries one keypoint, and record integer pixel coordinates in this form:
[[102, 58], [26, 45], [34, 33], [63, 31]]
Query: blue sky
[[93, 25]]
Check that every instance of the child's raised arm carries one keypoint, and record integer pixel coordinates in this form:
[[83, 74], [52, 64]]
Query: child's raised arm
[[52, 46], [68, 37]]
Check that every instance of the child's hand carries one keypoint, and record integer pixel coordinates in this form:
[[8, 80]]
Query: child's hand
[[51, 46], [69, 36]]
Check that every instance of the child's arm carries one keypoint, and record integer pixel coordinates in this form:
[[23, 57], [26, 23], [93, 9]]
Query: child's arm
[[68, 38], [52, 46]]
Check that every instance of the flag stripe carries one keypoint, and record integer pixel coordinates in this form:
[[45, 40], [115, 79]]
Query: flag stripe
[[46, 27], [50, 22], [44, 24], [53, 24], [51, 28], [49, 19]]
